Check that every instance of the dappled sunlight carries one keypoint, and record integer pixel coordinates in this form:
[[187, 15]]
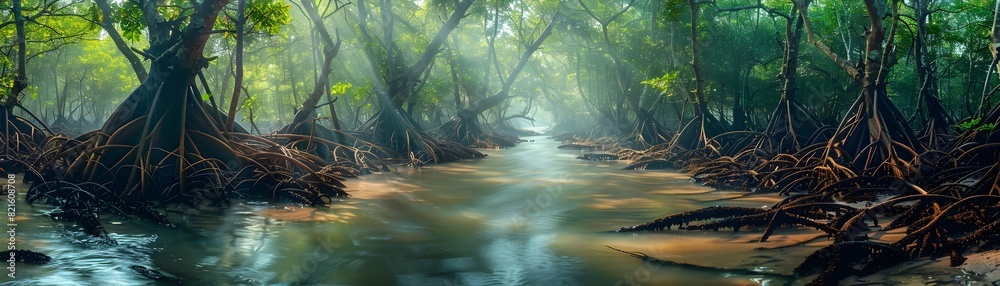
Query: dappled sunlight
[[501, 221], [659, 176], [465, 142], [310, 214], [454, 168], [607, 204], [681, 191], [499, 180], [380, 186]]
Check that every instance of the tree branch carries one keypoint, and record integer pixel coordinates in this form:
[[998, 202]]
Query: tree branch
[[811, 35]]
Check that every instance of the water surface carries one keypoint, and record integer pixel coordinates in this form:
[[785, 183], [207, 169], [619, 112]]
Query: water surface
[[529, 215]]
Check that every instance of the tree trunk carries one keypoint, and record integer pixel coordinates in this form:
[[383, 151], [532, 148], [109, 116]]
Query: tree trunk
[[645, 128], [21, 79], [162, 118], [17, 136], [873, 132], [464, 128], [234, 102], [704, 125], [330, 49], [939, 123], [700, 105], [453, 68], [401, 80], [392, 127], [790, 125]]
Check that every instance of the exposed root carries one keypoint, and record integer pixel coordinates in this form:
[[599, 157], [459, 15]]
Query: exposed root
[[403, 139], [685, 218], [840, 260], [729, 271], [154, 274]]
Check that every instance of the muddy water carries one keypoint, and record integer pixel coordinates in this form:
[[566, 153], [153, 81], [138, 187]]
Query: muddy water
[[530, 215]]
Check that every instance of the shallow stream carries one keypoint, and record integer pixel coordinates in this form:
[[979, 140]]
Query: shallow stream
[[529, 215]]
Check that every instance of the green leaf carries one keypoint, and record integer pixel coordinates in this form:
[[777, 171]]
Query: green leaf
[[340, 88], [987, 127], [974, 124], [662, 83], [131, 21], [673, 9], [267, 15]]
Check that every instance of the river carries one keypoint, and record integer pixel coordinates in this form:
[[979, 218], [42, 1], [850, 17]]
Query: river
[[529, 215]]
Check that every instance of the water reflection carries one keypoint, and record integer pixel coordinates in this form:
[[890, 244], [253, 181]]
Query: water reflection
[[528, 215]]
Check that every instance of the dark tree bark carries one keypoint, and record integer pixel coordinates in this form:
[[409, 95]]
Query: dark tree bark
[[241, 21], [790, 125], [21, 79]]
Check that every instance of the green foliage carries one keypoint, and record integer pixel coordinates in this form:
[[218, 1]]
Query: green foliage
[[361, 92], [94, 13], [674, 9], [267, 16], [174, 9], [662, 83], [974, 124], [131, 21], [649, 51], [251, 103], [6, 79], [340, 88]]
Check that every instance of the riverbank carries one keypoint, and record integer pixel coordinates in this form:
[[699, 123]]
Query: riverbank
[[533, 214]]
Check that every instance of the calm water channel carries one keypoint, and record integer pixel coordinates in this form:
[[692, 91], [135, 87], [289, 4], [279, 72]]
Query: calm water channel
[[530, 215]]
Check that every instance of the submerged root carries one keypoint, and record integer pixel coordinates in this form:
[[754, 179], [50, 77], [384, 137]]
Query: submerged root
[[154, 274], [598, 157], [26, 256], [727, 271]]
